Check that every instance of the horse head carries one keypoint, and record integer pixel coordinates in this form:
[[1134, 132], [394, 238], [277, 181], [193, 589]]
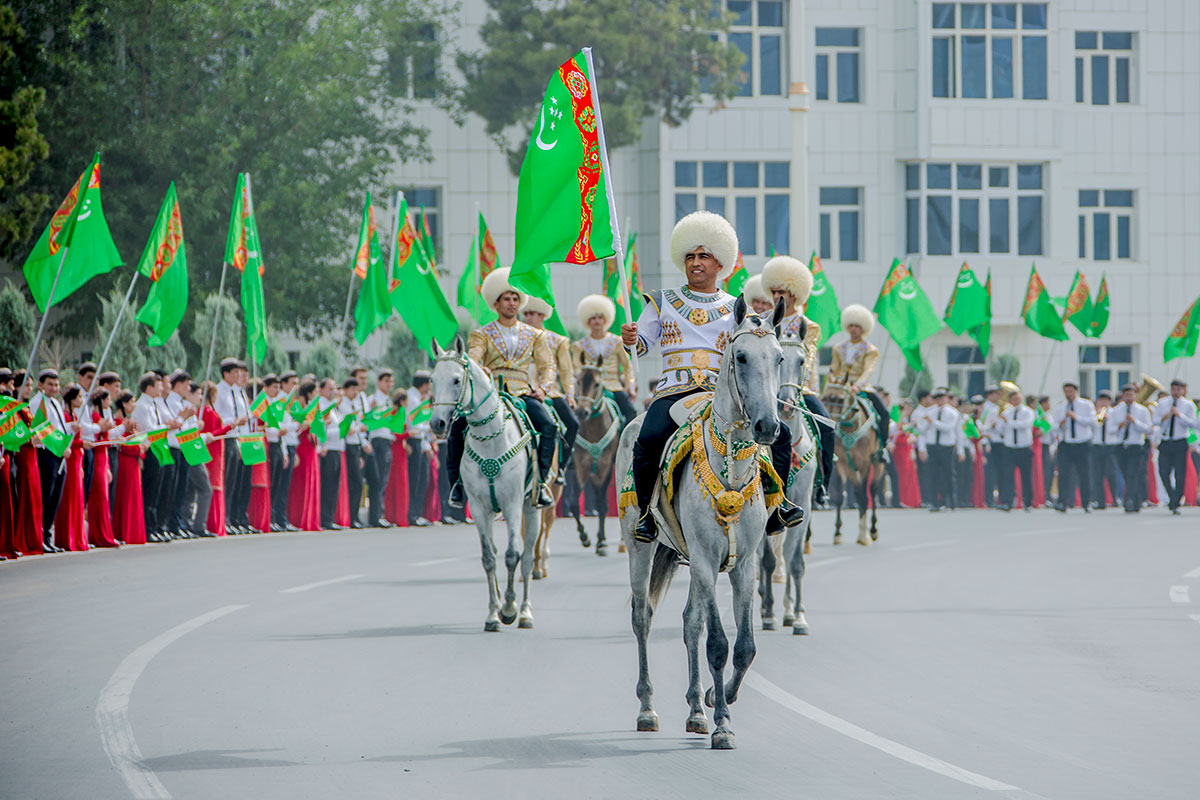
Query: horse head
[[749, 379], [793, 373], [589, 386], [452, 386]]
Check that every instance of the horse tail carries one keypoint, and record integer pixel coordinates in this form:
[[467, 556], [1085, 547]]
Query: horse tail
[[666, 561]]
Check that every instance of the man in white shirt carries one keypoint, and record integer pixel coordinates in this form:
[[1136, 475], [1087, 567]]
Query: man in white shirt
[[148, 415], [421, 456], [198, 490], [111, 383], [174, 496], [47, 402], [1132, 424], [1074, 421], [964, 452], [943, 422], [1104, 454], [282, 466], [1175, 416], [993, 446], [331, 455], [1015, 429], [380, 440], [920, 420], [233, 410], [357, 445]]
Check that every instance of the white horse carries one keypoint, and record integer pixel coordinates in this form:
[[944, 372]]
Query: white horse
[[744, 416], [792, 375], [496, 457]]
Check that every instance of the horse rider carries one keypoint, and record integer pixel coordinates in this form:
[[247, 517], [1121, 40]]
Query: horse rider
[[561, 393], [691, 326], [853, 362], [788, 279], [596, 313], [509, 348], [756, 296]]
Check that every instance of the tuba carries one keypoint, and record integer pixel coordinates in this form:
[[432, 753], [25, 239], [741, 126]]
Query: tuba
[[1006, 389], [1148, 389]]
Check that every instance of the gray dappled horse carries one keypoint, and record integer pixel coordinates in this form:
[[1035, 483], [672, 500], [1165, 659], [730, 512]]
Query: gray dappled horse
[[792, 376], [596, 445], [494, 467], [744, 412]]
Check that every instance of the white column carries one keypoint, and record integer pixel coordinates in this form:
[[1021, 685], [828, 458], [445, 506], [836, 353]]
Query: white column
[[799, 242]]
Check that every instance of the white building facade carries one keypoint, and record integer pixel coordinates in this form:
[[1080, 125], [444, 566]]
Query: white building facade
[[1064, 133]]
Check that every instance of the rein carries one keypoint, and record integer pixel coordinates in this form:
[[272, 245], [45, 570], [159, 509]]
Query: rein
[[596, 449]]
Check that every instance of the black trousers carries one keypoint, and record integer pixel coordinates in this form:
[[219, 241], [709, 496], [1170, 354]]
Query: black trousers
[[52, 487], [281, 484], [543, 425], [153, 476], [233, 473], [177, 516], [964, 480], [354, 480], [111, 454], [377, 479], [567, 415], [197, 498], [626, 407], [923, 471], [331, 481], [1172, 467], [1074, 471], [991, 471], [1133, 467], [1048, 467], [657, 428], [89, 469], [1015, 458], [942, 481], [814, 404], [1104, 468], [418, 476], [275, 451]]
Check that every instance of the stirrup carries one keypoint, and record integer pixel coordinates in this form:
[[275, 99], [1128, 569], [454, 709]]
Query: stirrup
[[458, 495], [646, 530], [543, 497]]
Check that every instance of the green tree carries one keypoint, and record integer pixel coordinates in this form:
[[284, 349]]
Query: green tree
[[653, 59], [1004, 368], [321, 360], [172, 354], [276, 360], [128, 354], [231, 341], [403, 354], [909, 385], [22, 145], [16, 327]]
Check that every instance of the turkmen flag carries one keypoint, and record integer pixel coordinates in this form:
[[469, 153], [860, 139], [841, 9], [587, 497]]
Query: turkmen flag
[[374, 306], [562, 200], [397, 421], [164, 262], [14, 433], [737, 279], [612, 286], [253, 448], [1183, 337], [242, 250], [1078, 309], [52, 438], [193, 448], [482, 259], [1039, 313], [300, 412], [415, 292], [425, 238], [159, 446], [260, 404], [906, 311], [311, 416], [344, 425], [375, 418], [9, 405], [79, 225], [968, 304], [982, 334], [1099, 320], [822, 306]]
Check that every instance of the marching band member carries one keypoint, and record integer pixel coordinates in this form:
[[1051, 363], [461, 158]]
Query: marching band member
[[993, 444], [1132, 424], [1075, 420], [1175, 415], [1015, 429], [1104, 455], [943, 422]]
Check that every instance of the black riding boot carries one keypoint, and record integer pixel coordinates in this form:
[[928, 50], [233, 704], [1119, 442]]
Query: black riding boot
[[454, 452], [645, 473]]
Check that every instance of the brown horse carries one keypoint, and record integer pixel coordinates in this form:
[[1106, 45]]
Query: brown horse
[[596, 445], [856, 445]]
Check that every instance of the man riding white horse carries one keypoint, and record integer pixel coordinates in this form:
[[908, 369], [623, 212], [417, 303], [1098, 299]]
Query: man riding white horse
[[789, 280], [561, 393], [508, 347], [853, 362], [596, 313], [691, 326]]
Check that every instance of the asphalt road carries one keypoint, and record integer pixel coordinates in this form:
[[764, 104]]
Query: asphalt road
[[965, 655]]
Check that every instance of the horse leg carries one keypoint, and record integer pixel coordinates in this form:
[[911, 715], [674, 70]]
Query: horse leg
[[516, 518], [483, 525], [862, 495], [693, 629], [840, 497], [601, 514], [765, 590], [533, 526], [741, 580], [796, 580], [640, 560], [718, 654], [875, 507]]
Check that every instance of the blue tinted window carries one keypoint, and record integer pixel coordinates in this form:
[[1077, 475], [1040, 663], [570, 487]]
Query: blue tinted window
[[970, 176], [1118, 41], [715, 205], [745, 174], [968, 225], [1033, 67], [1122, 236], [685, 173], [943, 15], [1118, 354], [1101, 237], [938, 225], [1029, 176], [974, 66], [684, 205], [848, 235], [837, 37], [1033, 15], [1118, 197], [912, 214], [1079, 80], [1082, 236], [822, 77], [742, 41], [770, 13], [1004, 15], [1089, 354], [1122, 67], [1085, 40], [776, 174], [775, 207], [825, 237], [770, 80], [997, 176], [937, 176], [1002, 67], [1088, 198], [847, 77], [716, 173], [1099, 80], [974, 15], [742, 12], [943, 66], [998, 225], [746, 210], [1029, 226], [838, 196], [912, 177]]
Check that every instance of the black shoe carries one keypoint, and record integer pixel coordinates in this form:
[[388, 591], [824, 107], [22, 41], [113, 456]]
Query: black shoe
[[291, 528], [356, 525], [204, 535], [48, 547], [790, 514], [458, 495], [646, 530], [820, 496], [544, 498], [1060, 509]]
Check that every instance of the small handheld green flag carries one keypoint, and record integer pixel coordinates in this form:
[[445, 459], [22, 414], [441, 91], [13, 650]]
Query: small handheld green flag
[[191, 445], [14, 433], [374, 419], [253, 448], [53, 439], [346, 423], [259, 405], [159, 446], [397, 421], [9, 405]]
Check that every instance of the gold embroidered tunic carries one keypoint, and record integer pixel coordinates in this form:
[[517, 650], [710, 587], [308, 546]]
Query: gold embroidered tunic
[[560, 352], [691, 330], [616, 368], [853, 364], [791, 327], [511, 351]]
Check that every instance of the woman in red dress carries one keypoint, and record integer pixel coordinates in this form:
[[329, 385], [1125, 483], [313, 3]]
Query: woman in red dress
[[70, 532], [906, 469], [304, 497], [211, 425], [129, 522], [99, 516], [396, 494], [8, 528], [27, 509]]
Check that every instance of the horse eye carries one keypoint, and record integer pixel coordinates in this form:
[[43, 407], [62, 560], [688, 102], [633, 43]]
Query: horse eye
[[741, 358], [456, 381]]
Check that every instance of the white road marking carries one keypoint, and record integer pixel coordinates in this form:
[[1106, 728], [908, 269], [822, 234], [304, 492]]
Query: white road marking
[[1041, 532], [788, 700], [810, 564], [1194, 617], [921, 546], [319, 584], [112, 709], [1193, 573], [1179, 594], [434, 562]]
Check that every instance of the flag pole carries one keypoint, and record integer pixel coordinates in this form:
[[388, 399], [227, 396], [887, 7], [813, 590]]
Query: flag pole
[[618, 244], [1046, 371], [213, 343], [42, 326], [1012, 342], [113, 334]]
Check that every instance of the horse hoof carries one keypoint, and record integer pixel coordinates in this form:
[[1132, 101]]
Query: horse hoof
[[491, 626], [647, 722], [537, 574], [601, 549], [508, 617], [837, 538], [808, 548], [874, 536], [526, 623], [621, 548], [788, 620], [865, 541], [584, 540], [768, 624], [709, 697], [697, 723], [723, 740]]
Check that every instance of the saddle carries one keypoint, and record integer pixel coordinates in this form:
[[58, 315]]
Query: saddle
[[491, 467]]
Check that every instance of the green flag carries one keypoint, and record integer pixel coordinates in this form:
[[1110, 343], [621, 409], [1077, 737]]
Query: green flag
[[822, 306], [374, 306], [242, 250], [1099, 320], [164, 262], [562, 200], [737, 279], [9, 405], [159, 446], [53, 439], [612, 286], [414, 289], [482, 259], [252, 447], [425, 239], [1078, 308], [968, 304], [14, 433], [191, 445], [375, 418], [1040, 422], [982, 334], [79, 225], [1039, 313], [905, 310], [1183, 337], [344, 425]]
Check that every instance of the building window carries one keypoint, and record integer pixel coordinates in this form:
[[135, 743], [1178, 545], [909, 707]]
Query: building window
[[1103, 67], [974, 208], [752, 195], [429, 200], [1105, 367], [966, 372], [414, 69], [824, 362], [838, 73], [1105, 224], [840, 223], [758, 31], [989, 50]]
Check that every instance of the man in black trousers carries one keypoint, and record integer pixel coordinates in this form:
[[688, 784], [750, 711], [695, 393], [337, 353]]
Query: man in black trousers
[[380, 460], [944, 422], [1132, 420], [1075, 421], [1175, 416]]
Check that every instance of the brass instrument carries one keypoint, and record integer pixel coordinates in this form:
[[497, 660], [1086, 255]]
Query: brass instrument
[[1148, 389], [1101, 415], [1006, 389]]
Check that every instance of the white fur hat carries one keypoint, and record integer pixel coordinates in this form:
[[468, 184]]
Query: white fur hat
[[753, 290], [537, 304], [789, 274], [496, 284], [854, 314], [595, 304], [710, 231]]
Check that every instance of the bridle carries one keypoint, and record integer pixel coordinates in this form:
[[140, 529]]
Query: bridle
[[594, 406], [803, 379], [467, 387], [727, 363]]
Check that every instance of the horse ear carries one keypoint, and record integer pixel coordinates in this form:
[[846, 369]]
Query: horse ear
[[437, 348], [803, 327], [739, 311], [599, 362], [458, 345], [777, 315]]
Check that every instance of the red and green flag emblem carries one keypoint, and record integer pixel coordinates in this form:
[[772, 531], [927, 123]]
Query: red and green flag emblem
[[907, 313], [164, 262], [483, 258], [253, 448], [737, 279], [14, 432], [415, 292], [242, 250], [1038, 311], [1078, 309], [51, 438], [374, 306], [159, 446], [612, 286], [1183, 337], [191, 445], [1099, 320]]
